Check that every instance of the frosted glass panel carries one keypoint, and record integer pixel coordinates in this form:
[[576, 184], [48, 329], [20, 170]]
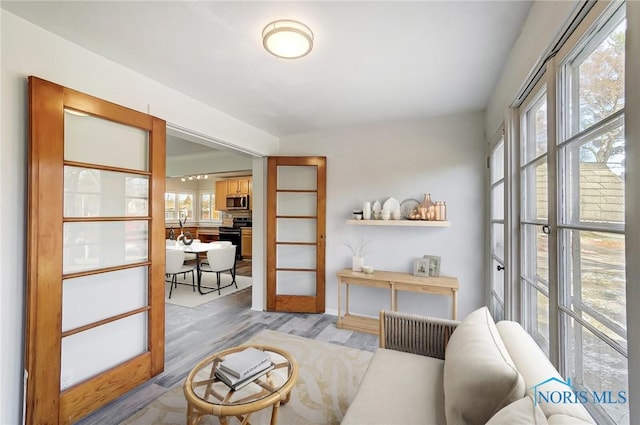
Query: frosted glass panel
[[96, 350], [297, 203], [296, 257], [97, 193], [95, 245], [295, 230], [98, 141], [296, 283], [297, 177], [92, 298]]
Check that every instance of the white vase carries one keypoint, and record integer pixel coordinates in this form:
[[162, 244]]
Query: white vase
[[357, 263], [366, 211]]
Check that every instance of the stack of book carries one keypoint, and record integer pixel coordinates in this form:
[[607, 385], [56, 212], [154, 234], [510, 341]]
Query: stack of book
[[241, 368]]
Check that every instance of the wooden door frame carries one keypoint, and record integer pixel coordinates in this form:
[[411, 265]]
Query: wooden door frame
[[45, 403], [284, 302]]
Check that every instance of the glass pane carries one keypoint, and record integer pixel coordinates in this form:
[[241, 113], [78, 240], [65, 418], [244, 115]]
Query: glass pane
[[92, 298], [96, 350], [205, 207], [497, 240], [295, 230], [297, 178], [95, 140], [296, 283], [534, 191], [596, 276], [497, 279], [596, 367], [89, 246], [497, 163], [597, 77], [534, 130], [497, 310], [97, 193], [185, 205], [594, 178], [537, 316], [497, 202], [296, 256], [535, 254], [296, 203], [170, 207]]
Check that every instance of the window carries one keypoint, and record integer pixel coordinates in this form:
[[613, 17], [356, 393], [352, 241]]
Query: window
[[207, 207], [591, 154], [178, 205], [534, 223]]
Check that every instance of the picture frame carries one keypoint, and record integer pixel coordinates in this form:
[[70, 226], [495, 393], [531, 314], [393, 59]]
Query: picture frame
[[421, 267], [433, 268]]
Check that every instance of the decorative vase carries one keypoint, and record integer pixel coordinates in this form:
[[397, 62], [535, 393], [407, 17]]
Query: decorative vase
[[357, 263], [427, 208], [366, 211]]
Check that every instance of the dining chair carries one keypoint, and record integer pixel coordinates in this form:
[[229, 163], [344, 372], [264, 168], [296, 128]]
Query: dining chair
[[175, 265], [221, 259], [217, 244]]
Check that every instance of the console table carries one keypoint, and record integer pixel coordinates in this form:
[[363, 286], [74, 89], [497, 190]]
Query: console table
[[394, 281]]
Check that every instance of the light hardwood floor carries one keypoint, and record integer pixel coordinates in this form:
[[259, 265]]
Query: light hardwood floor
[[192, 334]]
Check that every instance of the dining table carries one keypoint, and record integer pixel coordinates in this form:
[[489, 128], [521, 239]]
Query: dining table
[[196, 248]]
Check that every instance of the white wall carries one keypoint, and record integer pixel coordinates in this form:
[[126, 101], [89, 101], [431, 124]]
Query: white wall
[[29, 50], [542, 26], [443, 156]]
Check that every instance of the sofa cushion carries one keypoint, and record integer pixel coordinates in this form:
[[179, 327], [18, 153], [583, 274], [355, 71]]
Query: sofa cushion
[[536, 368], [479, 376], [520, 412], [399, 388]]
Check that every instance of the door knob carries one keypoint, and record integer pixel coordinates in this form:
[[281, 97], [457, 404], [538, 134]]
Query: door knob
[[500, 268]]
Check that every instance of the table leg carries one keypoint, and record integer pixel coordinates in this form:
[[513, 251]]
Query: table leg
[[454, 309], [274, 413], [339, 322], [199, 273], [346, 304]]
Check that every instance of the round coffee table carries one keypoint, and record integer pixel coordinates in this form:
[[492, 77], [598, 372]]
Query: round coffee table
[[207, 395]]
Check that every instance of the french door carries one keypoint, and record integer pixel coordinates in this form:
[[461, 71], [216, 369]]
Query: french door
[[497, 222], [95, 286], [296, 204]]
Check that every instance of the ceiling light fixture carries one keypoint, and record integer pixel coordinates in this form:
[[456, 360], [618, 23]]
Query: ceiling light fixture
[[287, 39], [195, 177]]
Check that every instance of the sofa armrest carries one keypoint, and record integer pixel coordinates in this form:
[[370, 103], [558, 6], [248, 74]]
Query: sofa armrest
[[411, 333]]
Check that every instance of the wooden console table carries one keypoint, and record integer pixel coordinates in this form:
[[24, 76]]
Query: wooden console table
[[394, 281]]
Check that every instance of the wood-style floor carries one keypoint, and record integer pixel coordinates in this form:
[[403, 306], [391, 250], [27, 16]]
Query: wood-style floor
[[192, 334]]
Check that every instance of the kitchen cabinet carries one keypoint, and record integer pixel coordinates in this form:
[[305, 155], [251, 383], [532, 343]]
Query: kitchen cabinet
[[239, 186], [247, 233], [235, 186], [221, 195]]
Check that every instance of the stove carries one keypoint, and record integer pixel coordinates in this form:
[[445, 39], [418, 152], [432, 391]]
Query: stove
[[233, 234]]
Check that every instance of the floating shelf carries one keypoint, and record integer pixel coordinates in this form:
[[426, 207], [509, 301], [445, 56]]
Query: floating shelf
[[406, 223]]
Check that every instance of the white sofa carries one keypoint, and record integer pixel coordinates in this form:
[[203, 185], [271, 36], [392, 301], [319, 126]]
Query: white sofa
[[432, 371]]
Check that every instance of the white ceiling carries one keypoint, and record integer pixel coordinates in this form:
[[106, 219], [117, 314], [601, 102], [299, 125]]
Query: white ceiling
[[372, 61]]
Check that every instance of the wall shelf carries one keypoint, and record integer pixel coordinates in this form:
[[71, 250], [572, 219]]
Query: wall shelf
[[406, 223]]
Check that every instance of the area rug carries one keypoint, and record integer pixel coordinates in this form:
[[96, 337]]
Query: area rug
[[184, 295], [329, 376]]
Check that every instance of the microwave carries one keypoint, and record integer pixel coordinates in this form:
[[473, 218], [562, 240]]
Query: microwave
[[237, 202]]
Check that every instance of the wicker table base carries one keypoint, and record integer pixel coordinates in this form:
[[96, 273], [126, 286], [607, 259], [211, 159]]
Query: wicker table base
[[206, 395]]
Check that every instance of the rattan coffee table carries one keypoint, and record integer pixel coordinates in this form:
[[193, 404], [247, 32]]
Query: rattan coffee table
[[207, 395]]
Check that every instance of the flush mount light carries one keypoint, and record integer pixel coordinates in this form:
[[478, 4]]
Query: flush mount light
[[287, 39]]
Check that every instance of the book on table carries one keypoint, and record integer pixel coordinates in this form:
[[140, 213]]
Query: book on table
[[245, 363], [236, 383]]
